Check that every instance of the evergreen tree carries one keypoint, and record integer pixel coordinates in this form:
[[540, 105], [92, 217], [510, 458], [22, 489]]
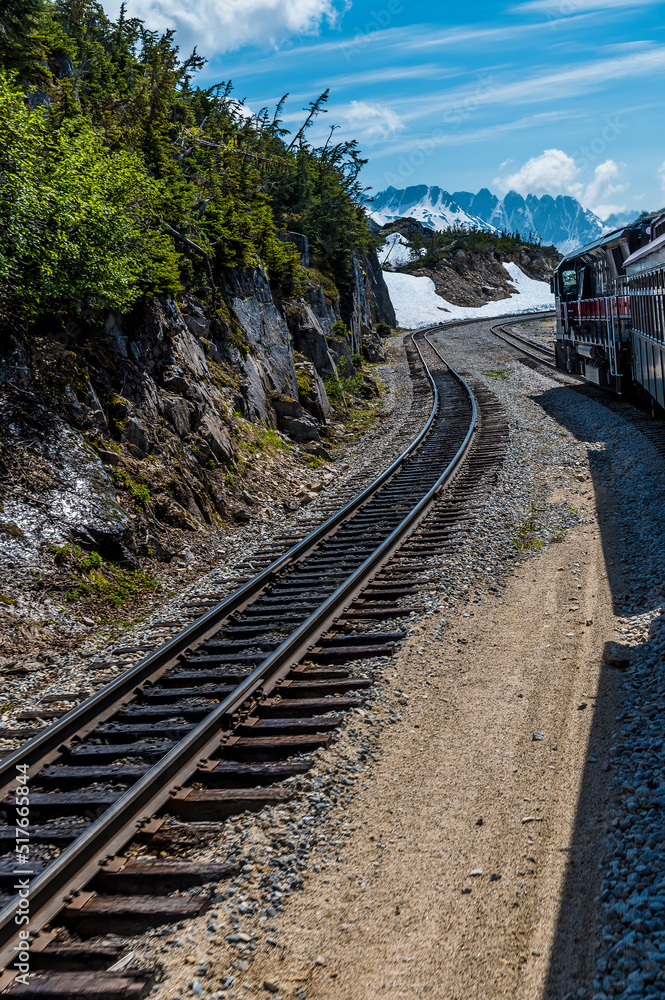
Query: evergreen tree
[[20, 48], [223, 187]]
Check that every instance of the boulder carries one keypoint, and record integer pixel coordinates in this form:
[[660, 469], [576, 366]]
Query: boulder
[[171, 512], [300, 428], [119, 407], [174, 380], [317, 451], [263, 327], [372, 345], [309, 332], [315, 399], [108, 457], [381, 307], [177, 412], [369, 388], [341, 351], [198, 325], [134, 433], [154, 549], [285, 406], [254, 386], [217, 436], [106, 540], [615, 654]]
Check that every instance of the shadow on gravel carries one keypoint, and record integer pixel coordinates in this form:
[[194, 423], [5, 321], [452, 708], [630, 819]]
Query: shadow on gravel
[[574, 951], [577, 945], [557, 404]]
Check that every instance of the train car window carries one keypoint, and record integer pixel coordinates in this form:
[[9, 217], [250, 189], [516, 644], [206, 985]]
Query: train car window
[[569, 282]]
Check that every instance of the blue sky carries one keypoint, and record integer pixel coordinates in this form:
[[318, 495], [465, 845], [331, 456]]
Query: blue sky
[[558, 96]]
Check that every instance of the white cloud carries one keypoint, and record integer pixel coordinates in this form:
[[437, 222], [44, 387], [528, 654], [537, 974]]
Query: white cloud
[[563, 8], [661, 175], [224, 25], [576, 81], [553, 172], [598, 194], [372, 122]]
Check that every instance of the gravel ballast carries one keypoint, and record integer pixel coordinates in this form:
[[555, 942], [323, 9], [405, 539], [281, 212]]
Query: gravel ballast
[[489, 824]]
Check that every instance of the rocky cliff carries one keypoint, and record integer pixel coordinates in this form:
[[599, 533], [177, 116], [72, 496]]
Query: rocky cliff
[[472, 277], [126, 438]]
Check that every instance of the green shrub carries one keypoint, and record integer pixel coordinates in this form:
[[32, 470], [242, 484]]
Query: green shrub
[[340, 329], [342, 389], [77, 221], [303, 383]]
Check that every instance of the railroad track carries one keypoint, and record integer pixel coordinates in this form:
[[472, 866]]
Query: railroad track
[[530, 348], [541, 360], [214, 721]]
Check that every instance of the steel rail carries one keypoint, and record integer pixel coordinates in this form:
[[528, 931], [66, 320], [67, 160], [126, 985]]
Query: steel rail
[[508, 338], [534, 357], [77, 864], [81, 720]]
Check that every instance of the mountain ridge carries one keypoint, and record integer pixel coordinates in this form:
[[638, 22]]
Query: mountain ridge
[[560, 221]]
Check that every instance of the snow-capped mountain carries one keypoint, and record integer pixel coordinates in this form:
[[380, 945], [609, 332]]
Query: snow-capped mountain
[[432, 206], [561, 221], [619, 219]]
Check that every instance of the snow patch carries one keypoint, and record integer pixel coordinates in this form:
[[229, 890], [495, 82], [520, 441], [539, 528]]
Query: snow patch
[[396, 251], [417, 304]]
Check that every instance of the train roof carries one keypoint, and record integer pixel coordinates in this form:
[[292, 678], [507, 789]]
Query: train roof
[[607, 239], [655, 246]]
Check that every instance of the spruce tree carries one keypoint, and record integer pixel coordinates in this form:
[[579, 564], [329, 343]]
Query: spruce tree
[[20, 48]]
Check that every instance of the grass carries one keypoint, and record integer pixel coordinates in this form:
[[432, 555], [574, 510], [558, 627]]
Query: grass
[[303, 383], [255, 439], [91, 577], [525, 539], [138, 491], [497, 373], [115, 585]]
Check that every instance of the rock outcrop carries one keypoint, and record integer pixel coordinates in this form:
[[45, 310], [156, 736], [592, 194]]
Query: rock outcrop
[[131, 428], [472, 276]]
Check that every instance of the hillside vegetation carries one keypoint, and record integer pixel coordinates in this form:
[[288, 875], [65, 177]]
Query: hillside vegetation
[[190, 309], [121, 179]]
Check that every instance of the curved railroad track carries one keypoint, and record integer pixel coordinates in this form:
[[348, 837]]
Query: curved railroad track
[[530, 348], [209, 724]]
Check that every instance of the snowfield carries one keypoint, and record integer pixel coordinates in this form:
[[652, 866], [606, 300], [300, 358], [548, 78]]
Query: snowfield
[[417, 304]]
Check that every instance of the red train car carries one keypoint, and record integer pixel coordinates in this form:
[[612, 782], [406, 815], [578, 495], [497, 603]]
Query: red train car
[[593, 336]]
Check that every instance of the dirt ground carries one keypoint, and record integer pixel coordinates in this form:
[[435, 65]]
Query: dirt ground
[[471, 873]]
